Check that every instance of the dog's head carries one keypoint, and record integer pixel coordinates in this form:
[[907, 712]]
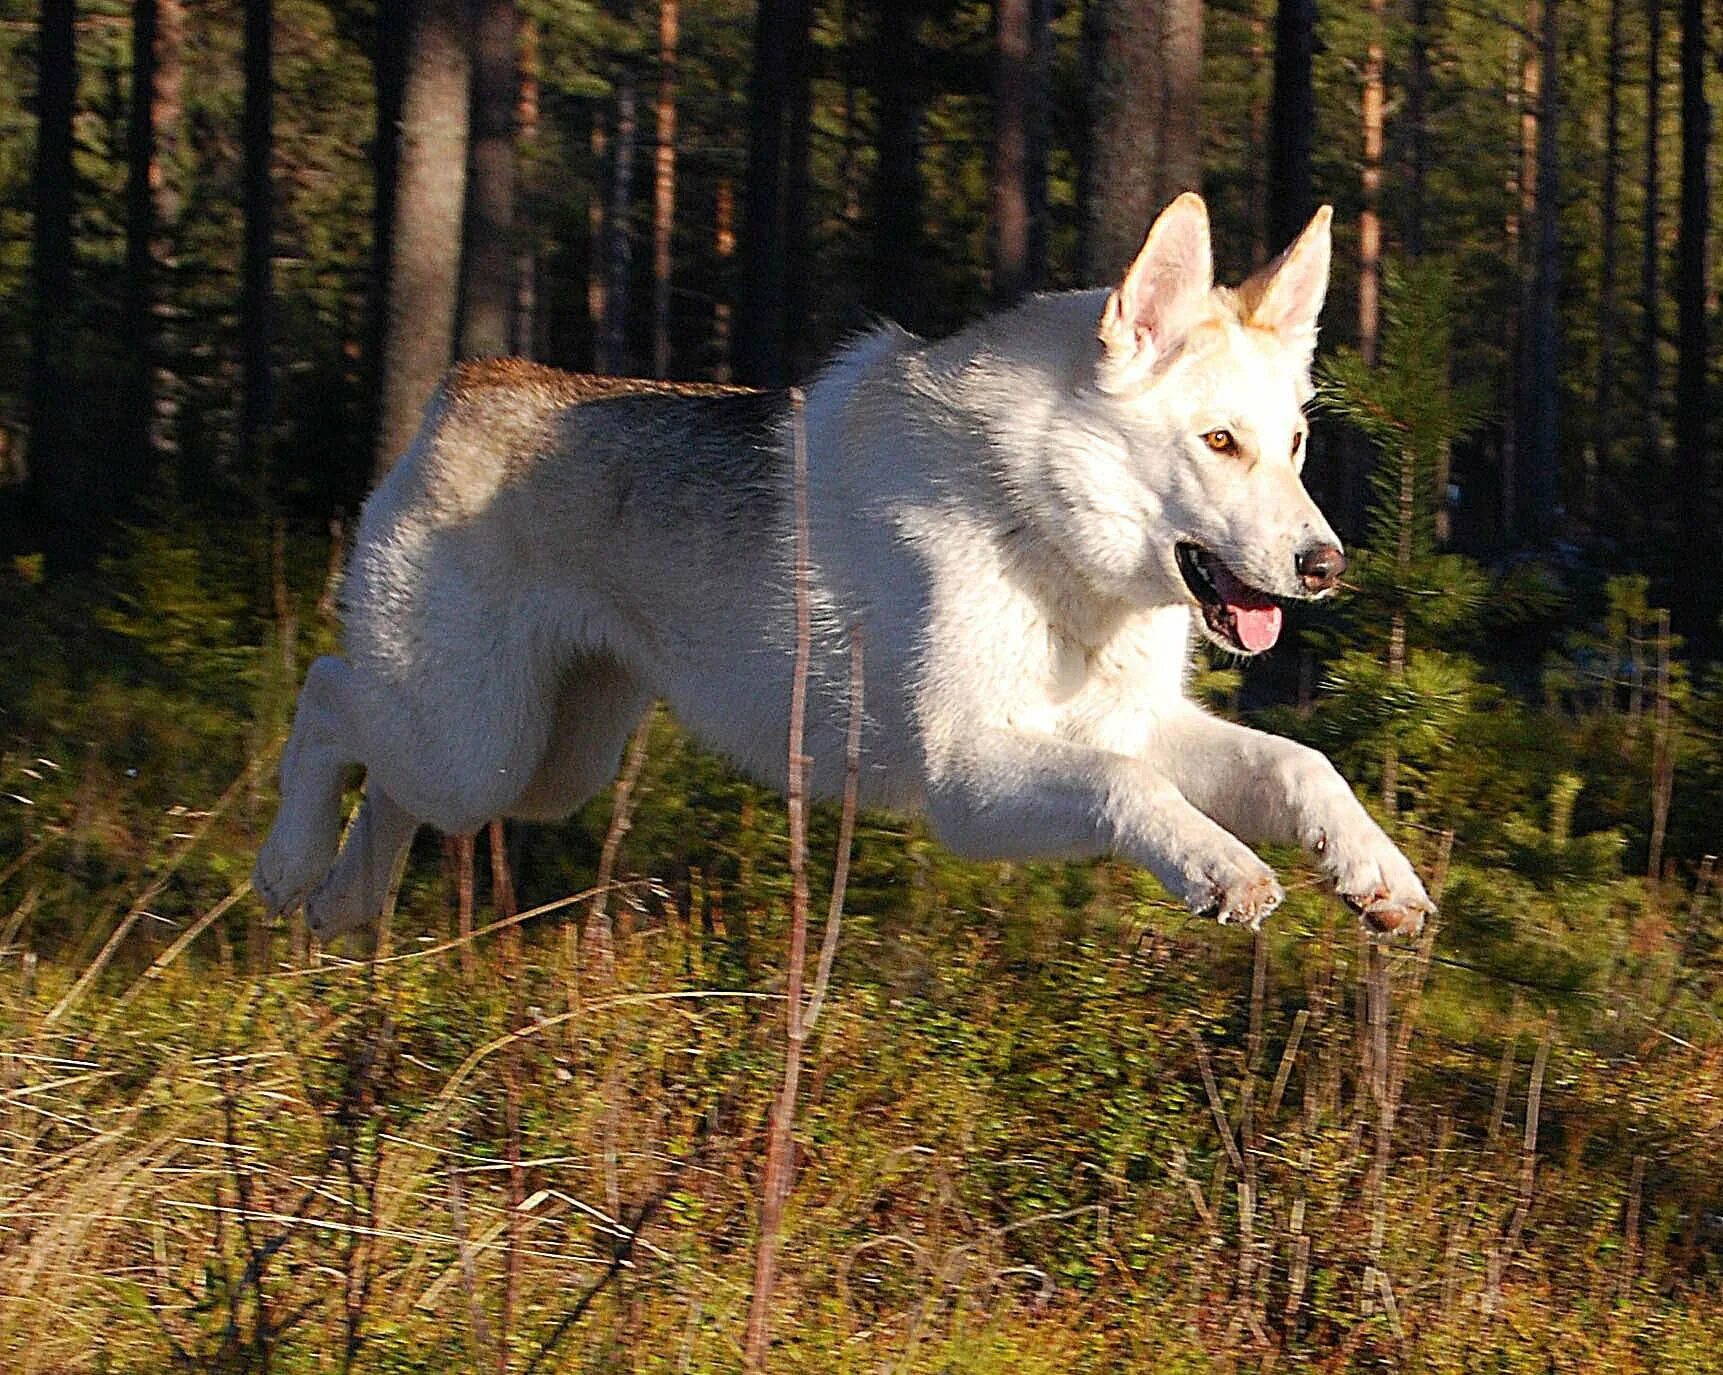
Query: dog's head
[[1198, 392]]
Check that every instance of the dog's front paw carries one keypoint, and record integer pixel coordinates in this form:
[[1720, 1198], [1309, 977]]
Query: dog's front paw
[[1376, 881], [1236, 892]]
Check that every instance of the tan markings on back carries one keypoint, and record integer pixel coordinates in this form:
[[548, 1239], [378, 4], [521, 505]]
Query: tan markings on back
[[536, 383]]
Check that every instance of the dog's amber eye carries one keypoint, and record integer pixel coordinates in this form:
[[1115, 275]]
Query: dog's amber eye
[[1221, 441]]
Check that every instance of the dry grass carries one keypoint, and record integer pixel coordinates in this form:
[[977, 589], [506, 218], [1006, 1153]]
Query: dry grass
[[308, 1168]]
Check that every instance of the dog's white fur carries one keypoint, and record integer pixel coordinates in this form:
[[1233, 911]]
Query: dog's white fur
[[998, 512]]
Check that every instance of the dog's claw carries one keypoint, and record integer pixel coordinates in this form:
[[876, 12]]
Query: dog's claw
[[1249, 902]]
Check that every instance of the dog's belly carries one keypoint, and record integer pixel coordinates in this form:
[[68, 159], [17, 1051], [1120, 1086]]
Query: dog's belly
[[741, 709]]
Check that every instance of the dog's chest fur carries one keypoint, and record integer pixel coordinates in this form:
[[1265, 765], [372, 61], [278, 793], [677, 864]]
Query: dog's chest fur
[[1091, 675]]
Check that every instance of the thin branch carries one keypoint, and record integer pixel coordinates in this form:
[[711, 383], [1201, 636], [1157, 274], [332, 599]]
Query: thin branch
[[846, 836], [775, 1187], [621, 819]]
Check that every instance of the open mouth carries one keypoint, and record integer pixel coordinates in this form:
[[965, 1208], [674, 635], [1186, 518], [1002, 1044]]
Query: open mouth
[[1238, 617]]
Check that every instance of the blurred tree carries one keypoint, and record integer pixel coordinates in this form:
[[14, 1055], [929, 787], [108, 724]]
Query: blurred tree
[[63, 483], [257, 305], [664, 186], [1143, 84], [388, 79], [617, 248], [137, 319], [1370, 218], [1609, 234], [1291, 122], [1018, 193], [1693, 291], [777, 136], [1650, 274], [798, 186], [527, 120], [488, 259], [1417, 127], [429, 208], [900, 98], [1537, 505], [760, 308]]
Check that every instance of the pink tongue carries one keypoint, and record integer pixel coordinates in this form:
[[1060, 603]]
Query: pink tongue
[[1255, 616]]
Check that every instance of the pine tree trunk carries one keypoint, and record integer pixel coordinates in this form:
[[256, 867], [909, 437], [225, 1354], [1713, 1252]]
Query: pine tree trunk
[[760, 305], [257, 305], [169, 116], [1040, 138], [1609, 236], [664, 188], [525, 340], [723, 248], [899, 99], [618, 238], [429, 206], [488, 285], [1540, 494], [61, 483], [798, 185], [1144, 101], [1256, 155], [1012, 97], [1292, 122], [388, 77], [137, 317], [1692, 290], [1417, 128], [849, 161], [1370, 218], [597, 304], [1650, 285]]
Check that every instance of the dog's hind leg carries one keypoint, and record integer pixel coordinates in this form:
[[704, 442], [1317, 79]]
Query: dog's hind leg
[[358, 887], [301, 845]]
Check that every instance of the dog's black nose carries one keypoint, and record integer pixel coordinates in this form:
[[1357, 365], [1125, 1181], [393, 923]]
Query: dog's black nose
[[1320, 567]]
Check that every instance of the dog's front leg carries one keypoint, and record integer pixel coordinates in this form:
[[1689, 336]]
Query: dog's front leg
[[1015, 796], [1267, 788]]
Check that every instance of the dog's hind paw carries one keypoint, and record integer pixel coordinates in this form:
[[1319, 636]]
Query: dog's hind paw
[[332, 911], [280, 889]]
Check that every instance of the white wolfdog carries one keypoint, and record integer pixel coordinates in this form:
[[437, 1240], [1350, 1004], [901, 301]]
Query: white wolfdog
[[1023, 520]]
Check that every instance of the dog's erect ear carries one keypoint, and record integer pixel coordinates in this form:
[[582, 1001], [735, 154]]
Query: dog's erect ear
[[1162, 290], [1286, 296]]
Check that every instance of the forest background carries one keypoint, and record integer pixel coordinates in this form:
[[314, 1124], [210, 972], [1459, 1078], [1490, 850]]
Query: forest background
[[1049, 1122]]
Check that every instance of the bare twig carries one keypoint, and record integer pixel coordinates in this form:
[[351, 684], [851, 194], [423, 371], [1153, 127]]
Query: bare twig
[[1529, 1142], [1300, 1020], [846, 836], [463, 861], [621, 819], [776, 1185], [478, 1333], [443, 947], [159, 965], [503, 897], [1215, 1106], [1630, 1250]]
